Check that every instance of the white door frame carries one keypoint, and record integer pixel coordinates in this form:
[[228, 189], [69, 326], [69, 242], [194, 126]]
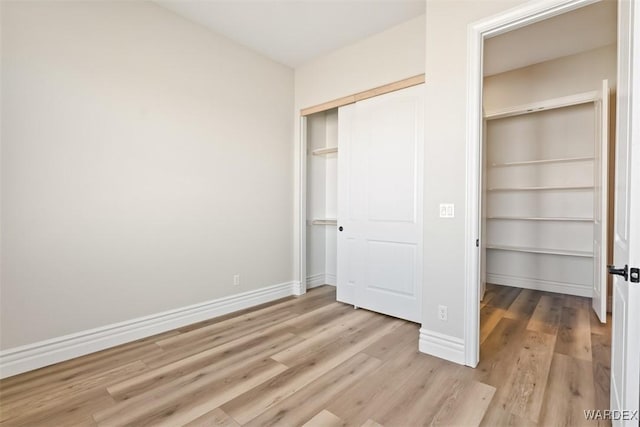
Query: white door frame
[[301, 287], [511, 19]]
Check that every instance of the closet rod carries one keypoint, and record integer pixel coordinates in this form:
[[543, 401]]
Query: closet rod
[[324, 222]]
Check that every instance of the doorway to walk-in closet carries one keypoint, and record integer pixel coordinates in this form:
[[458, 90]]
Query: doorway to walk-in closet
[[547, 176]]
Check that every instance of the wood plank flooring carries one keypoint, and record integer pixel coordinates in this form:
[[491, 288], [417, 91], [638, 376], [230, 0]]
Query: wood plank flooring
[[315, 362]]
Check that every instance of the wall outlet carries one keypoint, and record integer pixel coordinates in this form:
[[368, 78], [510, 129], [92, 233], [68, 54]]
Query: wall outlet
[[442, 312], [236, 280], [447, 210]]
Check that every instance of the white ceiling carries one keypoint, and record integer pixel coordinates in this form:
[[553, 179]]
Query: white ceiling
[[294, 31], [578, 31]]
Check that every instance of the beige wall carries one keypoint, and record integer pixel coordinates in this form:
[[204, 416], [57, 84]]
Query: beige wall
[[389, 56], [445, 156], [569, 75], [144, 162]]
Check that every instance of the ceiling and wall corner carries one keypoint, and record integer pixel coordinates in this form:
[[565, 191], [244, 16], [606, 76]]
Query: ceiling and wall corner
[[294, 32], [592, 27]]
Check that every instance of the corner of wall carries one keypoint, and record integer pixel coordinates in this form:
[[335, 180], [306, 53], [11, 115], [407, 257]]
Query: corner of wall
[[443, 346]]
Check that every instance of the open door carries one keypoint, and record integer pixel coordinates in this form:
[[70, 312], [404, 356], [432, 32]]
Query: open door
[[601, 205], [625, 340]]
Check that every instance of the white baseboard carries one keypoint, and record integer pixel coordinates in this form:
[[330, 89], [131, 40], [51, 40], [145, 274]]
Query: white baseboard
[[540, 285], [443, 346], [320, 279], [297, 288], [16, 360]]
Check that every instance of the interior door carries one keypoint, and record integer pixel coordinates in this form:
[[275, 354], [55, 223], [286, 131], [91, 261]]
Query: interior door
[[625, 341], [380, 203], [600, 197]]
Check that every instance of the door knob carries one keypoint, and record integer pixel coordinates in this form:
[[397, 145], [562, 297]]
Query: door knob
[[624, 272], [340, 228]]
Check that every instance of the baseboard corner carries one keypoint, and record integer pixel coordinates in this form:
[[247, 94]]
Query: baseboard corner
[[443, 346]]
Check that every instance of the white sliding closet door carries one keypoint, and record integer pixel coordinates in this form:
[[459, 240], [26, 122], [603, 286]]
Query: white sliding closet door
[[380, 203]]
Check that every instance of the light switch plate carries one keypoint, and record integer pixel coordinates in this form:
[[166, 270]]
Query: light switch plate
[[447, 210]]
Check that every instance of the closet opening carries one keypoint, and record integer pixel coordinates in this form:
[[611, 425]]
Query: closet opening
[[361, 169], [322, 198], [546, 187]]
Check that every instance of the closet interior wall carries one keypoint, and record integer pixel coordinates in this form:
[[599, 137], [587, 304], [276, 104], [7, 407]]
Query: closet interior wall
[[524, 217], [322, 165]]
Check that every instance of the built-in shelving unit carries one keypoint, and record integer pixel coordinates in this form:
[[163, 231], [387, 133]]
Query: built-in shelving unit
[[539, 193], [322, 197], [324, 151]]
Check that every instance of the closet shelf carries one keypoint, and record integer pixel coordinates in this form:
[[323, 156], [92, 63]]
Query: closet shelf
[[550, 104], [546, 251], [324, 221], [544, 188], [544, 161], [323, 151], [536, 218]]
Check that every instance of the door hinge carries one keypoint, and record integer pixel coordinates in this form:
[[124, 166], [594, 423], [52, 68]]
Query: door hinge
[[477, 243], [634, 275]]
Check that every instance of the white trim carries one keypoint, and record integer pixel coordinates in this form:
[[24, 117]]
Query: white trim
[[512, 19], [302, 209], [320, 279], [37, 355], [540, 285], [298, 288], [443, 346]]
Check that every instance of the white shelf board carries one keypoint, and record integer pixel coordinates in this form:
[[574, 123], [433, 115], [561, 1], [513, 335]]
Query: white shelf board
[[323, 151], [536, 218], [546, 251], [549, 104], [567, 187], [544, 161], [324, 221]]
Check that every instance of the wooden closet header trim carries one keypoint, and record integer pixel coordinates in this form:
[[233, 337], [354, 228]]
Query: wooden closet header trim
[[381, 90]]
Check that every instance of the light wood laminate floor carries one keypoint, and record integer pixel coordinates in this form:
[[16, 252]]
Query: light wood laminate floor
[[315, 362]]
